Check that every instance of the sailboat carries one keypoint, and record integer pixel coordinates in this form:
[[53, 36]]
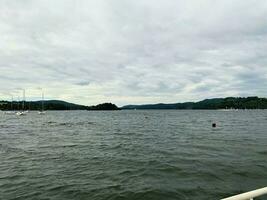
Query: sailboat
[[20, 113], [42, 112]]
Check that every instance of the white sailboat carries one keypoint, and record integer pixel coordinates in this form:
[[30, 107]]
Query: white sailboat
[[42, 112], [21, 113]]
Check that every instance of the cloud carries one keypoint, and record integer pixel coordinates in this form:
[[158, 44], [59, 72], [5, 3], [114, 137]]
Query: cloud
[[133, 51], [83, 83]]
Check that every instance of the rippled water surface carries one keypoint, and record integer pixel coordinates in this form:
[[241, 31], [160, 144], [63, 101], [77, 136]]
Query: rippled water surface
[[157, 155]]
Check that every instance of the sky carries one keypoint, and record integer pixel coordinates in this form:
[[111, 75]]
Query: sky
[[133, 51]]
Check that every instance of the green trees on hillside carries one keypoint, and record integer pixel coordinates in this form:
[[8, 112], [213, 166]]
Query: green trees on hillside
[[216, 103], [53, 105]]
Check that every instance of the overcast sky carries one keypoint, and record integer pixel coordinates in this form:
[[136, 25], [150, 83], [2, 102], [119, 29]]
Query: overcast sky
[[133, 51]]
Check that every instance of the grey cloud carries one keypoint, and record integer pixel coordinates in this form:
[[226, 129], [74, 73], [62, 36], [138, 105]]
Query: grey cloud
[[83, 83], [133, 51]]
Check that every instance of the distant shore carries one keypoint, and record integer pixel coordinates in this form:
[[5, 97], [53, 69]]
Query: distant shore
[[228, 103]]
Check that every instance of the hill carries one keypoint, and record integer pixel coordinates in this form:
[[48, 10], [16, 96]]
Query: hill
[[216, 103]]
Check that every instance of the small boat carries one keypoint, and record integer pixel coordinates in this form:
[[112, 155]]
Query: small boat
[[21, 113], [41, 112]]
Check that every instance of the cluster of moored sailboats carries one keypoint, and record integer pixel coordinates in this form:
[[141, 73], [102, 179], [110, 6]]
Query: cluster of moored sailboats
[[23, 112]]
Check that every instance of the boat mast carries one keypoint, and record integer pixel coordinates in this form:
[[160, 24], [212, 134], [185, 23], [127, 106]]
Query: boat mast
[[42, 101], [11, 102], [18, 103], [23, 101]]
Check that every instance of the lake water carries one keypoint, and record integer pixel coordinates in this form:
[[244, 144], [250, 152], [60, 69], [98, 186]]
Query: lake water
[[132, 155]]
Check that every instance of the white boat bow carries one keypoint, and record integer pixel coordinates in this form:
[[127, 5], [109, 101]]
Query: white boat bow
[[249, 195]]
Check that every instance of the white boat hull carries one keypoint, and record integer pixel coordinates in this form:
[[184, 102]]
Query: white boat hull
[[41, 112], [20, 113]]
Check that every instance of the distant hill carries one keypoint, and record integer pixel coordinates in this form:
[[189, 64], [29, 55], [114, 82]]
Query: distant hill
[[216, 103], [53, 105]]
